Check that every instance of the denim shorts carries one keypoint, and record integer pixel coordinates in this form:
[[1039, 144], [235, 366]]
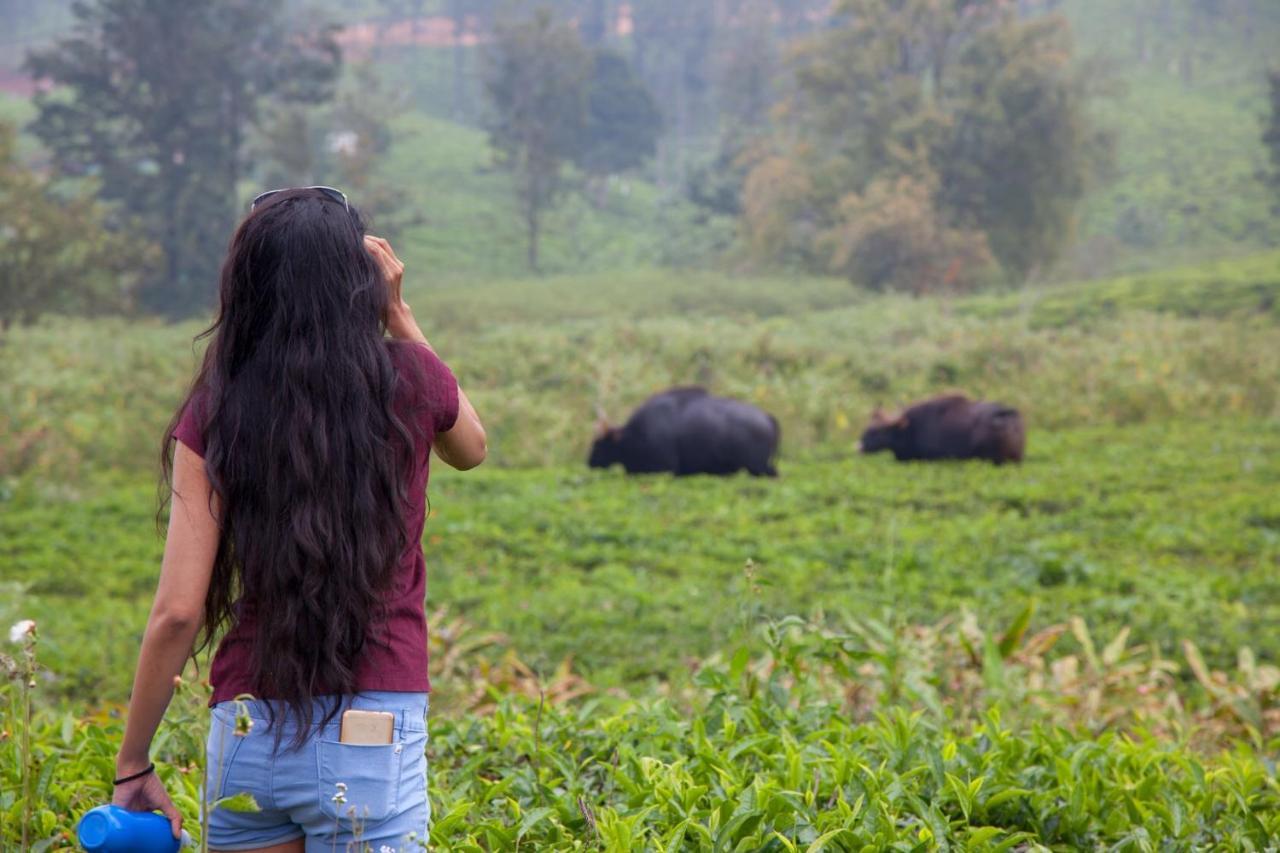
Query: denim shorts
[[301, 792]]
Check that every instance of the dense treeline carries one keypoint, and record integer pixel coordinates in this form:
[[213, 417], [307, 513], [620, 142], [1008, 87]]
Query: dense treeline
[[712, 63], [921, 145], [926, 145]]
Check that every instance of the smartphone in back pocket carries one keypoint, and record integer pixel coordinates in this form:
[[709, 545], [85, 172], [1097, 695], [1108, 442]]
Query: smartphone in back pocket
[[370, 728]]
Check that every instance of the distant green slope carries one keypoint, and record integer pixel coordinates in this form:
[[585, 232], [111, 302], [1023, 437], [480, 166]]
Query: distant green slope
[[470, 225], [1244, 289], [1188, 155]]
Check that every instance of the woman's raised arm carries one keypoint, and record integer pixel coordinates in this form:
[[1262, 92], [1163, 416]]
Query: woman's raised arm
[[464, 445]]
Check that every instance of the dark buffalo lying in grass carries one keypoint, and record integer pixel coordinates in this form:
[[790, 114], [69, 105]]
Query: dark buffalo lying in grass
[[688, 431], [950, 427]]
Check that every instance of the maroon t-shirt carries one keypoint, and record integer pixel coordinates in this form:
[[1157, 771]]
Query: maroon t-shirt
[[396, 651]]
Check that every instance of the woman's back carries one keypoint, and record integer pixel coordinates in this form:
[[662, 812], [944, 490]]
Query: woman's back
[[395, 656], [298, 466]]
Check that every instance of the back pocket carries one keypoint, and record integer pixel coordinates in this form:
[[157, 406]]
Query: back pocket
[[358, 781], [220, 753]]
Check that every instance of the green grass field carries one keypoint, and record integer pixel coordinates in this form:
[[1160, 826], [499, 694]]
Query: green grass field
[[1076, 653], [1171, 529], [539, 355]]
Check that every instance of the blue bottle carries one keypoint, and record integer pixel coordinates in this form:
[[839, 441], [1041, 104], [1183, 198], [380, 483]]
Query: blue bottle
[[111, 829]]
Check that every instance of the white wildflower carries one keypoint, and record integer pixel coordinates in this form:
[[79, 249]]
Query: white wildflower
[[341, 796], [21, 630]]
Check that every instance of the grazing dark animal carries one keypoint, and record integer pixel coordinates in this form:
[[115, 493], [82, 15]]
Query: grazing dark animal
[[688, 431], [950, 427]]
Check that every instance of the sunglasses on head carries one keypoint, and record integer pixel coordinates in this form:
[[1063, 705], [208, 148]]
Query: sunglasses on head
[[336, 195]]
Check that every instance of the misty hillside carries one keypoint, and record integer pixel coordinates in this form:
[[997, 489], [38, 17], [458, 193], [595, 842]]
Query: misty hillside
[[1185, 107], [1188, 124], [1185, 104]]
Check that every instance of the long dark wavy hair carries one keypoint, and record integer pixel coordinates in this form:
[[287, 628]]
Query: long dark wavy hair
[[305, 452]]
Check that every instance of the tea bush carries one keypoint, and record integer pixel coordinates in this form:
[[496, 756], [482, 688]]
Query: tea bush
[[760, 754]]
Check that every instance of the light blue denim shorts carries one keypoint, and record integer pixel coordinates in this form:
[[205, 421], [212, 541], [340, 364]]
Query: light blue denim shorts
[[299, 790]]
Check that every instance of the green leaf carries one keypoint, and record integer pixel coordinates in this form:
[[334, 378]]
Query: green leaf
[[983, 834], [820, 843], [1012, 638], [1004, 796], [241, 802], [532, 819]]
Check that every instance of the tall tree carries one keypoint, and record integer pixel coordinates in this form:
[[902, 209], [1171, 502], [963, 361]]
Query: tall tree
[[623, 122], [982, 110], [536, 79], [1020, 149], [747, 74], [747, 69], [57, 254], [357, 143], [155, 98]]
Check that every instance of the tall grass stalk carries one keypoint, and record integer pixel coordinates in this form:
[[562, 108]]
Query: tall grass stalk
[[24, 632], [26, 764]]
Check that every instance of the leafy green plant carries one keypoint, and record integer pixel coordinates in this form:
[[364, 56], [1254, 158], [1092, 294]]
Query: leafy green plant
[[870, 737]]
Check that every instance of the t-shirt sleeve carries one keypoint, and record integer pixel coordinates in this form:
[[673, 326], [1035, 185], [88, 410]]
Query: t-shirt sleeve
[[190, 428], [439, 391]]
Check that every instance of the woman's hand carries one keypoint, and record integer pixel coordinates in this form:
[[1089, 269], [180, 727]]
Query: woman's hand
[[400, 321], [145, 795], [464, 446]]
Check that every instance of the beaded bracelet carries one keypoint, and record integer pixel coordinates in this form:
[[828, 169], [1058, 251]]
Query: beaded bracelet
[[150, 769]]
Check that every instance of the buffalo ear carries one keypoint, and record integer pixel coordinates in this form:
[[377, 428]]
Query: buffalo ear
[[602, 422]]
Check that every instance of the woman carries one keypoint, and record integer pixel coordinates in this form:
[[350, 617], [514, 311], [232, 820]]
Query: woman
[[298, 479]]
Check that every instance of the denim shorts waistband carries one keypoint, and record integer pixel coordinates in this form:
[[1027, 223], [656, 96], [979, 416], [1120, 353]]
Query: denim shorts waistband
[[410, 708]]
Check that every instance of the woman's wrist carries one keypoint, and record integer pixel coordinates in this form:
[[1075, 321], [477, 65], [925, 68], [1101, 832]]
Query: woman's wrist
[[135, 776], [402, 325], [128, 765]]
